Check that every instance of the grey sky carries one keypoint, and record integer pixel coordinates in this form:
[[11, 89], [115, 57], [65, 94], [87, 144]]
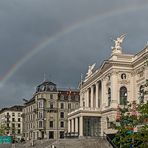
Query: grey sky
[[86, 28]]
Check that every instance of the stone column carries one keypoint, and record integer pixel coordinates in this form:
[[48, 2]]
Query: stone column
[[97, 95], [92, 97], [87, 98], [72, 125], [76, 125], [81, 126], [69, 126]]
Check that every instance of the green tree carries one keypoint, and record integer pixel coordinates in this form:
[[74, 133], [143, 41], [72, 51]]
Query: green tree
[[132, 117], [3, 129]]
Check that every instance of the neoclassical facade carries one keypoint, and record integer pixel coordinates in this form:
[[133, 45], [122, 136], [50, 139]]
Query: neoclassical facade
[[119, 80], [45, 115]]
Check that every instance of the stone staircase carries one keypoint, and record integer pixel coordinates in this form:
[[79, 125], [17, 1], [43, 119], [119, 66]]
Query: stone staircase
[[68, 143], [81, 143]]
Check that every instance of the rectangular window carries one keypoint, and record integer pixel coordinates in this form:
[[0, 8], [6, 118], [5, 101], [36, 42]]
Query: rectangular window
[[18, 131], [13, 119], [40, 124], [51, 96], [40, 115], [69, 105], [51, 105], [51, 124], [61, 114], [19, 125], [62, 105], [19, 114], [19, 119], [7, 125], [13, 114], [62, 124], [13, 125], [40, 104]]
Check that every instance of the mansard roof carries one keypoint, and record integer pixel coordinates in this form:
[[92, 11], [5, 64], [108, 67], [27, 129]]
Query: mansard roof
[[46, 86]]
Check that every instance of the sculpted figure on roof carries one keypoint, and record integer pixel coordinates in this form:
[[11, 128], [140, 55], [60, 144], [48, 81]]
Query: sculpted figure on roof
[[118, 42], [90, 69]]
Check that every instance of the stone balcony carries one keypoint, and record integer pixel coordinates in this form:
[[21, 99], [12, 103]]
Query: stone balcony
[[85, 110]]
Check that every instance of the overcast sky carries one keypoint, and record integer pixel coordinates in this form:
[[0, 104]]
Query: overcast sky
[[61, 38]]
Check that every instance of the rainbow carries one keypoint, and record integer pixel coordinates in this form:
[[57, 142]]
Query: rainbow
[[64, 32]]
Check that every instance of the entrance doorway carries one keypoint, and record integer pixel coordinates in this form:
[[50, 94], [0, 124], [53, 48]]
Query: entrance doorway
[[91, 126], [61, 134], [51, 135], [42, 135]]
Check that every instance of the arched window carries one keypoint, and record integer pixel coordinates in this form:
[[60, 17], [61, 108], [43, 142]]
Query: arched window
[[123, 95], [141, 94], [109, 96]]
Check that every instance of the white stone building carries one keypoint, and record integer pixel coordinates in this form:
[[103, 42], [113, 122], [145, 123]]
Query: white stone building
[[120, 79], [12, 120]]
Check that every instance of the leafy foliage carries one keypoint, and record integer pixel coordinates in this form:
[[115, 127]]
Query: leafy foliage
[[3, 129], [126, 136]]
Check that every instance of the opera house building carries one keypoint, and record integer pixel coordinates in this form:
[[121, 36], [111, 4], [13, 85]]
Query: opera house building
[[119, 80]]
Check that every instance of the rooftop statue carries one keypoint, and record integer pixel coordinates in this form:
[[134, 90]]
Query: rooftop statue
[[118, 42], [90, 68]]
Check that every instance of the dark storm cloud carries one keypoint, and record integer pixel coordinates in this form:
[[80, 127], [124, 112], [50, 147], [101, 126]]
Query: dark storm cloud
[[27, 23]]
